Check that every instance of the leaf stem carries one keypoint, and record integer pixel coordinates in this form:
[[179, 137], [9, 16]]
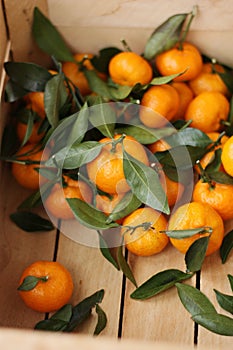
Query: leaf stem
[[204, 176], [125, 45], [145, 225], [186, 30]]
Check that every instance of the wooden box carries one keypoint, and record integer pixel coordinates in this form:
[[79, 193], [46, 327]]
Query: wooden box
[[160, 322]]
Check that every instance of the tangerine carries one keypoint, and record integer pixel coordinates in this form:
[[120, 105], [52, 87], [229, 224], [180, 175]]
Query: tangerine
[[160, 104], [129, 68], [184, 58], [53, 290], [227, 156], [207, 111], [56, 203], [218, 195], [106, 170], [197, 215], [145, 238], [26, 174], [186, 95]]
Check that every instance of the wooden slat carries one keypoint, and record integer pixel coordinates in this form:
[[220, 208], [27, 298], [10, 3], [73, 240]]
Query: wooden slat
[[18, 249], [160, 318], [19, 19], [92, 272], [214, 276], [4, 39]]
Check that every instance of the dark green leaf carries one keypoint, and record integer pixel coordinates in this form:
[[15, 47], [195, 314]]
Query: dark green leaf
[[189, 137], [97, 85], [105, 251], [125, 268], [83, 309], [103, 117], [226, 247], [195, 255], [101, 61], [215, 163], [165, 36], [120, 92], [48, 38], [225, 301], [79, 126], [31, 222], [13, 91], [227, 78], [194, 300], [88, 215], [145, 135], [28, 76], [128, 204], [144, 183], [216, 323], [230, 277], [159, 282], [28, 132], [221, 177], [102, 320], [52, 325], [63, 314], [30, 282], [180, 234], [54, 98], [9, 142], [181, 157], [75, 156]]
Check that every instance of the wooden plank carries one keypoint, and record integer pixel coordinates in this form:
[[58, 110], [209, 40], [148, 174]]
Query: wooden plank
[[28, 340], [160, 318], [4, 39], [92, 272], [214, 276], [19, 19], [18, 249]]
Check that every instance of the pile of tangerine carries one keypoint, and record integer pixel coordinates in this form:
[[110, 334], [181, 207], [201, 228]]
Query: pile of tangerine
[[198, 96]]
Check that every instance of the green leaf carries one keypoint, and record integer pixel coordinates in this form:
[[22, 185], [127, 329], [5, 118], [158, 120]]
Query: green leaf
[[226, 247], [75, 156], [30, 282], [28, 132], [13, 91], [127, 204], [195, 255], [58, 321], [180, 234], [216, 323], [144, 183], [215, 163], [165, 36], [162, 80], [227, 78], [103, 117], [230, 277], [189, 137], [181, 157], [52, 325], [48, 38], [102, 320], [79, 126], [97, 85], [158, 283], [31, 222], [221, 177], [194, 300], [125, 268], [83, 309], [225, 301], [63, 314], [101, 61], [88, 215], [120, 92], [105, 251], [54, 98], [29, 76], [145, 135]]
